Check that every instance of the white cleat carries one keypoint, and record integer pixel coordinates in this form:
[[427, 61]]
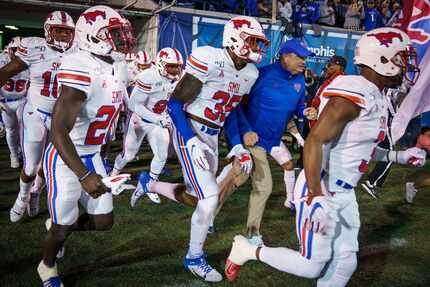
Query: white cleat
[[411, 191], [142, 188], [14, 162], [34, 204], [241, 252], [18, 210], [201, 268], [256, 240], [49, 275], [60, 253]]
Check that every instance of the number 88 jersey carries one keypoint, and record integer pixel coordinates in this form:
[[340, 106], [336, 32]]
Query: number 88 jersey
[[223, 85], [16, 87], [105, 86], [43, 63]]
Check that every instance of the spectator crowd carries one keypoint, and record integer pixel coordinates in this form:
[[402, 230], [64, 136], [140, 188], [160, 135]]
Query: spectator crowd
[[348, 14]]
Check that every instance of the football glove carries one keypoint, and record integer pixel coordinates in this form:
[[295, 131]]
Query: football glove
[[165, 122], [197, 149], [117, 184], [244, 157], [414, 156]]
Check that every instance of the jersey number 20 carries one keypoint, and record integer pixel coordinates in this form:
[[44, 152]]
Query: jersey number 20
[[106, 112]]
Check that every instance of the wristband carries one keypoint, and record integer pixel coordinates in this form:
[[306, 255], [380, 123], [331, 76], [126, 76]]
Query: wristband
[[82, 178]]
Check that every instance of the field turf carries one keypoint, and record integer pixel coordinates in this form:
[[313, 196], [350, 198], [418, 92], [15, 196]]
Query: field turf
[[147, 244]]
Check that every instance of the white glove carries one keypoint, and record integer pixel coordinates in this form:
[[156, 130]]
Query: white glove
[[165, 122], [320, 214], [299, 139], [2, 130], [197, 149], [414, 156], [117, 184], [244, 157]]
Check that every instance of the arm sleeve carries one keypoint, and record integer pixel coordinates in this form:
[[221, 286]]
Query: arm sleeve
[[179, 119], [198, 63], [75, 74], [231, 129], [242, 121]]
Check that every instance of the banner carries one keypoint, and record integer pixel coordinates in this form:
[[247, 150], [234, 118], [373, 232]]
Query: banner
[[186, 31], [416, 22]]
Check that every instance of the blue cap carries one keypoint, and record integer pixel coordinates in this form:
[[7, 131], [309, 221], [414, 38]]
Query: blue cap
[[297, 47]]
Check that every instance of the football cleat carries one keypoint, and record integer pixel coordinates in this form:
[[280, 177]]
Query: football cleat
[[256, 240], [49, 275], [142, 188], [370, 189], [201, 268], [33, 205], [18, 210], [60, 253], [411, 191], [240, 253]]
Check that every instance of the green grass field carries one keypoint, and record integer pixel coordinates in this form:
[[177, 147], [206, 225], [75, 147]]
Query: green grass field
[[146, 245]]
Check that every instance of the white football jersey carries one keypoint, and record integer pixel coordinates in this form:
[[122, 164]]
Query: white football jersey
[[105, 86], [16, 87], [43, 63], [152, 91], [223, 85], [347, 158]]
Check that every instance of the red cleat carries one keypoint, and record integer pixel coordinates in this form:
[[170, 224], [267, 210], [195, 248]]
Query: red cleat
[[231, 270]]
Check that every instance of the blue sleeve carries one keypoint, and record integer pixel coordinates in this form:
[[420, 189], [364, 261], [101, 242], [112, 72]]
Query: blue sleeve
[[231, 129], [301, 106], [176, 112], [242, 121]]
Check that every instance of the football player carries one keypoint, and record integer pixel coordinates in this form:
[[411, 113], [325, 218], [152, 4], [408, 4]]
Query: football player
[[92, 88], [12, 99], [214, 83], [149, 118], [42, 57], [352, 120]]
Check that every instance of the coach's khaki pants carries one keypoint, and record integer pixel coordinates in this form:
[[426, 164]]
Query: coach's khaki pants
[[261, 190]]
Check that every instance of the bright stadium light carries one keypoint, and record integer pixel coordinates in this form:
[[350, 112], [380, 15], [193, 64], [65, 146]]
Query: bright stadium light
[[11, 27], [1, 32]]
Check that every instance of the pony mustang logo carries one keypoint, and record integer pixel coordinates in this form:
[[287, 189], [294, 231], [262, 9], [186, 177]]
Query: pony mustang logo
[[238, 23], [386, 38], [91, 17], [164, 54]]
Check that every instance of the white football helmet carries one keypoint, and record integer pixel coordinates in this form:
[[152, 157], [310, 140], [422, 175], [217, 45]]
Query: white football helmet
[[387, 51], [130, 57], [245, 37], [59, 19], [101, 31], [166, 57], [143, 60]]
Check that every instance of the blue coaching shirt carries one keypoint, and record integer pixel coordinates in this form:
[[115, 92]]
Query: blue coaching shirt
[[276, 96]]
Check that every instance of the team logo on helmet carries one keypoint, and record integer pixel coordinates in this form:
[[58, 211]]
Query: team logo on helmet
[[163, 54], [238, 23], [91, 16], [386, 38]]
